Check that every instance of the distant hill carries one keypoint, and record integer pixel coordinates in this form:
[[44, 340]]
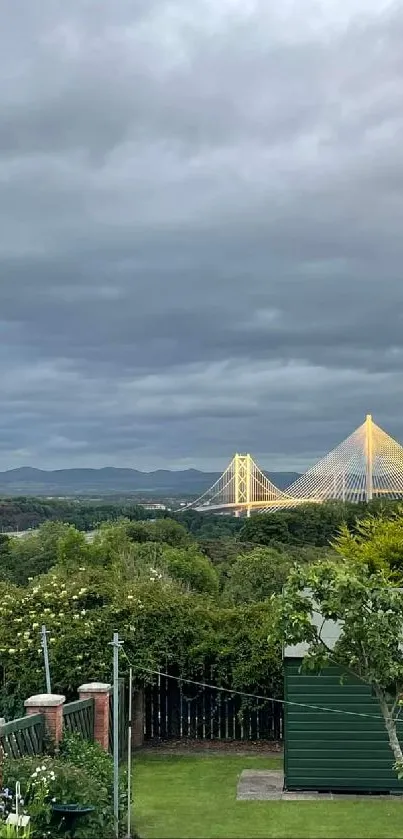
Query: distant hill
[[111, 481]]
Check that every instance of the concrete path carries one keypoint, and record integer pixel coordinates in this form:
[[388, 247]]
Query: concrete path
[[267, 785], [260, 785]]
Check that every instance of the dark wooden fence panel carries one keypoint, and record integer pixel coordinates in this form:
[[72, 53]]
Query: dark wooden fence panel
[[176, 710], [123, 720], [78, 717], [22, 737]]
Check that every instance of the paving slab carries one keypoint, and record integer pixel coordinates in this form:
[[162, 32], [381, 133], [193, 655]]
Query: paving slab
[[268, 785], [260, 785], [307, 796]]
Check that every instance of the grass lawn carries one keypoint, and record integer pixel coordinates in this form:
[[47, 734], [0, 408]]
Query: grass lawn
[[177, 797]]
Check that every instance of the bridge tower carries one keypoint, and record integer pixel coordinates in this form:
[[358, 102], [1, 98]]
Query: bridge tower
[[243, 494], [369, 459]]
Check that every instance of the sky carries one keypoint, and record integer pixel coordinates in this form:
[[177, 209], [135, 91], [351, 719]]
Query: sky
[[201, 244]]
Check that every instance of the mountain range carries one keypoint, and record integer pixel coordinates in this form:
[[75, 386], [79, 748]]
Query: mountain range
[[115, 481]]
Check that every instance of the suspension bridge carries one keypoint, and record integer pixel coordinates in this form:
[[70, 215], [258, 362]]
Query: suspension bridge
[[368, 464]]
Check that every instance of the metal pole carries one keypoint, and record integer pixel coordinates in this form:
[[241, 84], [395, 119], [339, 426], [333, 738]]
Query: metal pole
[[129, 755], [116, 645], [44, 642]]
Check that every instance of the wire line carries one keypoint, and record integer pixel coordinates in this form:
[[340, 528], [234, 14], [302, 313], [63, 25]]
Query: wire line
[[253, 695]]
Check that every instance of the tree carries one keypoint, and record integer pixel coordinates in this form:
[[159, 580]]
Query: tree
[[171, 532], [35, 553], [370, 613], [190, 567], [265, 529], [257, 575], [161, 530], [5, 550], [376, 541], [311, 524]]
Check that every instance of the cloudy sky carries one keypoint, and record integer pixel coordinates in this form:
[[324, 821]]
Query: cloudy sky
[[201, 243]]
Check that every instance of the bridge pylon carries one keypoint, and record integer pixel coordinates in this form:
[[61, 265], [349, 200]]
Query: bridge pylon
[[367, 465], [241, 488], [243, 469]]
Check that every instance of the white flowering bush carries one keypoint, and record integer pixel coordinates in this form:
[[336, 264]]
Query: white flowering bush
[[81, 611], [163, 623], [82, 774]]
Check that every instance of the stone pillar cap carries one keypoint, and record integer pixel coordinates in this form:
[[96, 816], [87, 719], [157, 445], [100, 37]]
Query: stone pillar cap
[[45, 700], [95, 687]]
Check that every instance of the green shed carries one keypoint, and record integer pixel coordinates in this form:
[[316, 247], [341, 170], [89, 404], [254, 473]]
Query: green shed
[[328, 751]]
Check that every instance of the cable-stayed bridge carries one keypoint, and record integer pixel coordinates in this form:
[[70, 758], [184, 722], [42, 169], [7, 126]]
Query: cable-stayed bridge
[[368, 464]]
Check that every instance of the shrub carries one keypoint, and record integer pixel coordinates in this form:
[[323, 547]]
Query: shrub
[[81, 774]]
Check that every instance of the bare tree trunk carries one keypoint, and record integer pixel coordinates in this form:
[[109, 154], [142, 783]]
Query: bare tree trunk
[[390, 726]]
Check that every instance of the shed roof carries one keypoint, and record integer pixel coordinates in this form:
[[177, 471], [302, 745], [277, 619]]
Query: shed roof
[[330, 632]]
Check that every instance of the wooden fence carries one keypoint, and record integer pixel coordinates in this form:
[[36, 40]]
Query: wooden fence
[[25, 736], [78, 717], [123, 720], [174, 711]]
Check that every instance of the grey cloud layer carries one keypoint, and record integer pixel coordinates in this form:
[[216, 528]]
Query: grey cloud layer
[[200, 245]]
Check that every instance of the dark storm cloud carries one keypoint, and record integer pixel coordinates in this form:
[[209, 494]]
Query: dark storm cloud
[[200, 247]]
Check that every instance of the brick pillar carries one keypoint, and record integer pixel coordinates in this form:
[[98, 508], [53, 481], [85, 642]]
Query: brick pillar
[[99, 692], [138, 720], [51, 706]]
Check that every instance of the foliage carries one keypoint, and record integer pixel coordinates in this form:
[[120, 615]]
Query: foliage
[[24, 513], [191, 568], [257, 575], [209, 526], [34, 554], [161, 623], [163, 530], [310, 524], [11, 831], [370, 615], [82, 774], [147, 559], [376, 541]]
